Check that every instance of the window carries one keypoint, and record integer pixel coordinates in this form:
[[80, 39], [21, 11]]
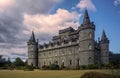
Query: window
[[90, 46], [90, 35], [63, 53], [49, 53], [62, 62], [49, 62], [79, 48], [56, 62], [55, 53], [89, 59], [44, 54], [39, 54], [32, 55], [70, 62], [44, 62]]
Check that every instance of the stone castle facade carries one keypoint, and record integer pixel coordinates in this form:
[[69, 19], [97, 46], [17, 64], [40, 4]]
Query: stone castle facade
[[71, 47]]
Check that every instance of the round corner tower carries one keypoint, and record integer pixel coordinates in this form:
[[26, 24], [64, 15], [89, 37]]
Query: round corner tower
[[32, 51], [86, 41], [104, 47]]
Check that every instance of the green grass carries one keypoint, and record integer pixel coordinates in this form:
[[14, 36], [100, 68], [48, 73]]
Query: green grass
[[44, 73]]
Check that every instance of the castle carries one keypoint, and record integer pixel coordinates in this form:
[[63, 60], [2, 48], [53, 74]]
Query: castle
[[71, 47]]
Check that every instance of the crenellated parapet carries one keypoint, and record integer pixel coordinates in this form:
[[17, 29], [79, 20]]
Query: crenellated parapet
[[58, 44]]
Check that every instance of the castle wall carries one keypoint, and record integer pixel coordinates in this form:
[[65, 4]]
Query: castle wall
[[65, 54]]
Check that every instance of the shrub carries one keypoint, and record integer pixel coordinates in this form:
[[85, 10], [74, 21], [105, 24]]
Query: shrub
[[44, 67], [109, 65], [28, 68], [96, 75], [54, 67], [92, 66], [82, 67]]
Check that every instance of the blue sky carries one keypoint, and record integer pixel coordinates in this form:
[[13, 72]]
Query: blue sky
[[106, 16], [47, 17]]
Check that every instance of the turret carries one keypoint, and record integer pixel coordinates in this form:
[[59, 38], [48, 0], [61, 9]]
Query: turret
[[104, 47], [32, 51], [86, 41]]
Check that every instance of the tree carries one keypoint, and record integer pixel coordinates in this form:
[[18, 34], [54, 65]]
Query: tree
[[18, 62]]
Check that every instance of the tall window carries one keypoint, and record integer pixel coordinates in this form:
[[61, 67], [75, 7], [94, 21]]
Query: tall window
[[70, 62]]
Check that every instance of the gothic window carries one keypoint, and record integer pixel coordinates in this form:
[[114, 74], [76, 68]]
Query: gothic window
[[90, 46]]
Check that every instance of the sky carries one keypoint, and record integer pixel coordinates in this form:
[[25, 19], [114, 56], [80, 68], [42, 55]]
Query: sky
[[18, 18]]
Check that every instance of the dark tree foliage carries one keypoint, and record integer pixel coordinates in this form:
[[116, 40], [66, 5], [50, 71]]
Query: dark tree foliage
[[114, 59], [18, 62]]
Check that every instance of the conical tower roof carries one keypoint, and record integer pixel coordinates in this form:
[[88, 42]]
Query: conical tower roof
[[32, 38], [104, 36], [86, 19]]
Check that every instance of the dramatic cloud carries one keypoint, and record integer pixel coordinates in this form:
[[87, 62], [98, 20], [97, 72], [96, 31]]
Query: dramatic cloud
[[86, 4], [13, 33], [19, 17], [117, 2], [51, 23]]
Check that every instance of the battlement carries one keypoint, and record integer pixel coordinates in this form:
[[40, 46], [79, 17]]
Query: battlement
[[70, 29], [58, 44]]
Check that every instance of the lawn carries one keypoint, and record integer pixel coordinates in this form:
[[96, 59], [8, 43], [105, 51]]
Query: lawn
[[44, 73]]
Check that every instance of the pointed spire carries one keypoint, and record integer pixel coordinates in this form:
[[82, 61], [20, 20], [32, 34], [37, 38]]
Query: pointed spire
[[32, 38], [103, 35], [86, 19]]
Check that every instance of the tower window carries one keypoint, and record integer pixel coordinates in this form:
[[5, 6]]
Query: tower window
[[90, 46], [90, 35]]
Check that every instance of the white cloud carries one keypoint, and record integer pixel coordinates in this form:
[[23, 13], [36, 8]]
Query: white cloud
[[117, 2], [86, 4], [19, 17], [5, 3], [51, 23]]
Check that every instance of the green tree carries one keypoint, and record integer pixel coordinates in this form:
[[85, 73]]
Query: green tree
[[18, 62]]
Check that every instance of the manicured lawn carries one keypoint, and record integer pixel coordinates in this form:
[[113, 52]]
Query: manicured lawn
[[44, 73]]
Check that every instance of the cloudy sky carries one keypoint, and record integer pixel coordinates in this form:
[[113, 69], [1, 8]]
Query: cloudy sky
[[45, 17]]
